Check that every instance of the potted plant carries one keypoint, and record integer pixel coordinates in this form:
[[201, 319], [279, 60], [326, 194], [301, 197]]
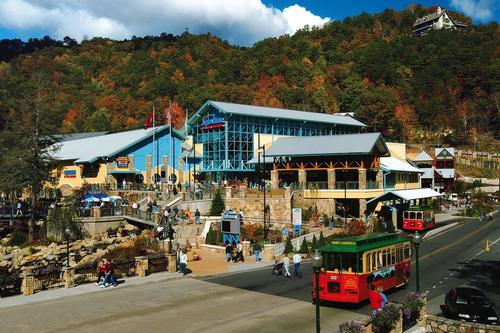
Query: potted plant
[[351, 327], [384, 321]]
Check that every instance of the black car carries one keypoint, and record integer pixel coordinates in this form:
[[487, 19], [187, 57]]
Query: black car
[[469, 304]]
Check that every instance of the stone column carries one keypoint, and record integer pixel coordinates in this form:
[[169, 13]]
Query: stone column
[[69, 277], [141, 266], [380, 179], [362, 208], [172, 263], [362, 178], [422, 320], [147, 179], [181, 171], [228, 192], [28, 284], [331, 179], [268, 254], [302, 178], [96, 212], [274, 179], [288, 192], [246, 248]]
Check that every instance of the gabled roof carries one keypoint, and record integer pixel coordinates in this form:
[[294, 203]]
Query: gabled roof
[[348, 144], [88, 150], [423, 157], [267, 112], [394, 164], [77, 136], [429, 18], [444, 151]]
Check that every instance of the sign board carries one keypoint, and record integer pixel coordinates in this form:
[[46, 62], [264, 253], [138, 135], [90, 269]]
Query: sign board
[[69, 173], [230, 222], [297, 216], [212, 121], [122, 162], [173, 178]]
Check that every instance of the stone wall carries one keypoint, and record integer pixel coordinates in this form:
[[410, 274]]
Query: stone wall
[[443, 325], [202, 205], [252, 208]]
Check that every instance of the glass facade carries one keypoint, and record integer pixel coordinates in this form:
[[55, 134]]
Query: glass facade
[[228, 139]]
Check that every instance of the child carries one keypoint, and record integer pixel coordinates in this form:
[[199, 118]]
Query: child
[[101, 267], [379, 289]]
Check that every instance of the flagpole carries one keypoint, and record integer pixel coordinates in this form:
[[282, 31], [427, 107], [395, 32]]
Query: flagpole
[[171, 142], [154, 180]]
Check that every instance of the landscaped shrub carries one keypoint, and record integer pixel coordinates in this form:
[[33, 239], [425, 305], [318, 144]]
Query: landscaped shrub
[[18, 238], [322, 240], [288, 246], [384, 321], [412, 304], [314, 244], [351, 327], [304, 248], [218, 204]]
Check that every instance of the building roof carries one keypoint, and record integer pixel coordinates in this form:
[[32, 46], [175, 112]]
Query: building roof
[[446, 173], [428, 173], [88, 150], [267, 112], [327, 145], [419, 193], [429, 18], [440, 151], [77, 136], [395, 164], [255, 160], [423, 157]]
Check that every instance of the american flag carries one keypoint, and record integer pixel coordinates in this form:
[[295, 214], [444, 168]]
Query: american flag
[[168, 116]]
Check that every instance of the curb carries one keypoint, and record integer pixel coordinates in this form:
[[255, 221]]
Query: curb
[[438, 231]]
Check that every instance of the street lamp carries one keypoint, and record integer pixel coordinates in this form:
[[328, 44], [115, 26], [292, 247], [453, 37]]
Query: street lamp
[[266, 229], [317, 263], [417, 239], [67, 234]]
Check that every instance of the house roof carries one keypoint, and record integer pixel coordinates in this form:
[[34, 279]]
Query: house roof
[[395, 164], [419, 193], [88, 150], [77, 136], [423, 157], [429, 18], [439, 151], [267, 112], [348, 144]]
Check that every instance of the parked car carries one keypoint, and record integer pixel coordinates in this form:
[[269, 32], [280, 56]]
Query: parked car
[[469, 304]]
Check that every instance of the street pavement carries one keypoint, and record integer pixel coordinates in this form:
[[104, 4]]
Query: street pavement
[[251, 300]]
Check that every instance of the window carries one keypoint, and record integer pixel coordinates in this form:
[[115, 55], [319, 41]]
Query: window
[[346, 262], [419, 215]]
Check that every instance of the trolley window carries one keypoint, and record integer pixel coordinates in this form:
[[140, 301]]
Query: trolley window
[[343, 262]]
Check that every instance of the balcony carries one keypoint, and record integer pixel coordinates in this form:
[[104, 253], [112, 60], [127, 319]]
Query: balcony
[[349, 185]]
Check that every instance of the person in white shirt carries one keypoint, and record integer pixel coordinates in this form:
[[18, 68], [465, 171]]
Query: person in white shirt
[[296, 265], [286, 266], [183, 260], [239, 252]]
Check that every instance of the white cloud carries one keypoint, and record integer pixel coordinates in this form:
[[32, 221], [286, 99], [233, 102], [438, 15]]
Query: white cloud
[[481, 10], [239, 21]]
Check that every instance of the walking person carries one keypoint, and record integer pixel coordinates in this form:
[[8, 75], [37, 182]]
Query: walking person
[[183, 260], [239, 252], [256, 249], [229, 252], [197, 216], [286, 266], [330, 223], [109, 274], [376, 299], [101, 269], [297, 259]]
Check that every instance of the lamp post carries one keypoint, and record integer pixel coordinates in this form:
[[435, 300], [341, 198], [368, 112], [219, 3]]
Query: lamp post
[[67, 234], [266, 229], [345, 195], [317, 262], [417, 239]]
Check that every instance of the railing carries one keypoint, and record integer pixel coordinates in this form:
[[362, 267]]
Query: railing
[[372, 185], [124, 268], [49, 277], [317, 185], [10, 282], [350, 185], [158, 264], [86, 273]]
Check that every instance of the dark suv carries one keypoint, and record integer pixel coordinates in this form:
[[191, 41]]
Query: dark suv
[[469, 304]]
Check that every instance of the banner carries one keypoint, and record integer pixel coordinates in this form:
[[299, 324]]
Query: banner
[[297, 216]]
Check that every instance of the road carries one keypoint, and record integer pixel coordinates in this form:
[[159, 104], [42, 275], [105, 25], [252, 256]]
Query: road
[[255, 301]]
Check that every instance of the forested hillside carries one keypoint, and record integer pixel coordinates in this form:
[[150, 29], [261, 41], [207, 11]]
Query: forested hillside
[[442, 86]]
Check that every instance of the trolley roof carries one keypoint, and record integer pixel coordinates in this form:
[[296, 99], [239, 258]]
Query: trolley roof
[[363, 243]]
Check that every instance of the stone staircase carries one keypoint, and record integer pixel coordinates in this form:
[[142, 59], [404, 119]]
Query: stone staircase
[[184, 233]]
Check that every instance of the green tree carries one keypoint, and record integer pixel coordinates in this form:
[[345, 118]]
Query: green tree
[[314, 245], [99, 121], [61, 218], [28, 144], [303, 247], [288, 246], [218, 205], [322, 241]]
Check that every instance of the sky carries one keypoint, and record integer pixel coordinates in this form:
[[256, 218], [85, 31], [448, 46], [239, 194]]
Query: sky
[[241, 22]]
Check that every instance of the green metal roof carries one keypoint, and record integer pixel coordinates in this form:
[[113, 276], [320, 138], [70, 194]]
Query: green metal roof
[[362, 243]]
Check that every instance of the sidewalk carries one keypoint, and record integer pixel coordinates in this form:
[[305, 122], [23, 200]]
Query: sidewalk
[[58, 293], [213, 263]]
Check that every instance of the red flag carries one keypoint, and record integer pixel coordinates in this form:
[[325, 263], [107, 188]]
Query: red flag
[[149, 121]]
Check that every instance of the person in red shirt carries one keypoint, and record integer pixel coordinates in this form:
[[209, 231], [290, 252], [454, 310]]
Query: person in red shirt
[[375, 299], [101, 267], [110, 277]]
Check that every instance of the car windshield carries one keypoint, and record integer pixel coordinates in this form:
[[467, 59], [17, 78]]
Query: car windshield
[[473, 300]]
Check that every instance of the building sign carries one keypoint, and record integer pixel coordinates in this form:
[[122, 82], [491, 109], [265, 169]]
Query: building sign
[[122, 162], [297, 216], [69, 173], [212, 122]]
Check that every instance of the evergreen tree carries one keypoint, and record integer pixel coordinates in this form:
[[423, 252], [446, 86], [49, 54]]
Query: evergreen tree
[[218, 205], [304, 248], [288, 246], [322, 240], [210, 238], [314, 245]]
